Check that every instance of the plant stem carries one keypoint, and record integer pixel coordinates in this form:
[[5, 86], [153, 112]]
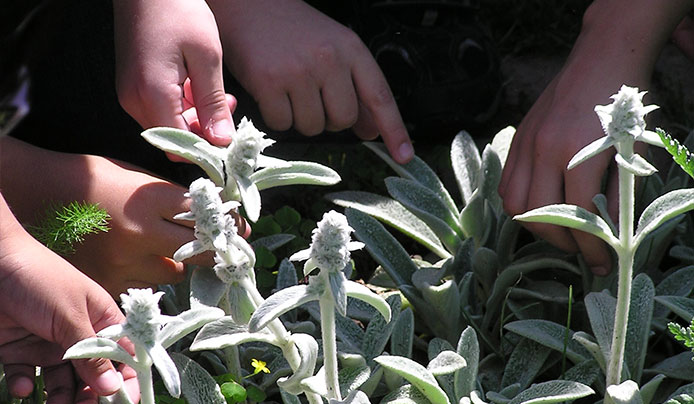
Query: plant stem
[[625, 255], [144, 376], [290, 352], [327, 325]]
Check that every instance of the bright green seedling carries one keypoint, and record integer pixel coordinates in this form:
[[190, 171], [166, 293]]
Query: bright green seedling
[[241, 169], [330, 253], [151, 333], [623, 122], [680, 154], [683, 334], [63, 226]]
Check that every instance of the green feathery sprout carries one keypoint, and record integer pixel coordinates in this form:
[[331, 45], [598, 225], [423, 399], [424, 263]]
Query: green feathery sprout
[[680, 154], [682, 334], [64, 225]]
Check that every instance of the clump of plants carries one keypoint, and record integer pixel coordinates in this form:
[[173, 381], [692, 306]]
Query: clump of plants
[[487, 315]]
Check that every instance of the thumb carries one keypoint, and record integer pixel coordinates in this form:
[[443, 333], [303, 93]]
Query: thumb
[[101, 311]]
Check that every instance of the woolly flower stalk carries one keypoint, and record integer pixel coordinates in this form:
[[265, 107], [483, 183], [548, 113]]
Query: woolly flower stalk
[[624, 123], [233, 267], [241, 168], [143, 318], [330, 245], [244, 153], [151, 333], [215, 230]]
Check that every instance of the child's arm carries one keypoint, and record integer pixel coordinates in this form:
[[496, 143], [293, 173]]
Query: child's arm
[[143, 235], [619, 44], [308, 71]]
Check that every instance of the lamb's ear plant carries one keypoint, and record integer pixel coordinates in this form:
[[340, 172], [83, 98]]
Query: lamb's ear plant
[[330, 253], [240, 169], [151, 333], [624, 124], [472, 260]]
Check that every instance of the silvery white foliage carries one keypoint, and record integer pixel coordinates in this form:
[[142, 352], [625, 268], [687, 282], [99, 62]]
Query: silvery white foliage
[[240, 169], [151, 333], [623, 122], [215, 229], [330, 252], [330, 245]]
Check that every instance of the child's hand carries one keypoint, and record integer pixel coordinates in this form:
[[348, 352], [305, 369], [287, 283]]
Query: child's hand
[[306, 70], [46, 305], [135, 251], [607, 54], [159, 45]]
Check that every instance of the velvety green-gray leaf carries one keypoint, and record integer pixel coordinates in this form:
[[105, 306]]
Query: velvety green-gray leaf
[[554, 391], [636, 165], [624, 393], [416, 374], [403, 334], [427, 206], [638, 329], [361, 292], [662, 209], [682, 306], [295, 173], [100, 348], [206, 289], [601, 310], [378, 331], [382, 246], [308, 352], [350, 379], [392, 213], [280, 303], [525, 363], [573, 217], [416, 170], [183, 143], [198, 387], [466, 162], [407, 394], [469, 348], [187, 322], [225, 332], [550, 335], [445, 363], [677, 367]]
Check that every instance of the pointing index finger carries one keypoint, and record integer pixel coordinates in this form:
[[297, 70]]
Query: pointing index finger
[[378, 101]]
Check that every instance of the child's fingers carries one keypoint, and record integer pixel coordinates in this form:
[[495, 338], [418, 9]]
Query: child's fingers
[[60, 384], [20, 379], [209, 97], [374, 93], [582, 184]]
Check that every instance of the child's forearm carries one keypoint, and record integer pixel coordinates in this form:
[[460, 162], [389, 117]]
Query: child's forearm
[[31, 177], [632, 30]]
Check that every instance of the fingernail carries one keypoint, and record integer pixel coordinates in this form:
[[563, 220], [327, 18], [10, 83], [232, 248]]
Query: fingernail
[[599, 270], [406, 151], [222, 130], [108, 382]]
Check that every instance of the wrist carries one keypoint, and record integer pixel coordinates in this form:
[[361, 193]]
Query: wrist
[[631, 31]]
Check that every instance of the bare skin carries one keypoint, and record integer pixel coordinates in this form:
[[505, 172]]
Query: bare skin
[[157, 52], [143, 236], [307, 71], [46, 305], [609, 52]]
